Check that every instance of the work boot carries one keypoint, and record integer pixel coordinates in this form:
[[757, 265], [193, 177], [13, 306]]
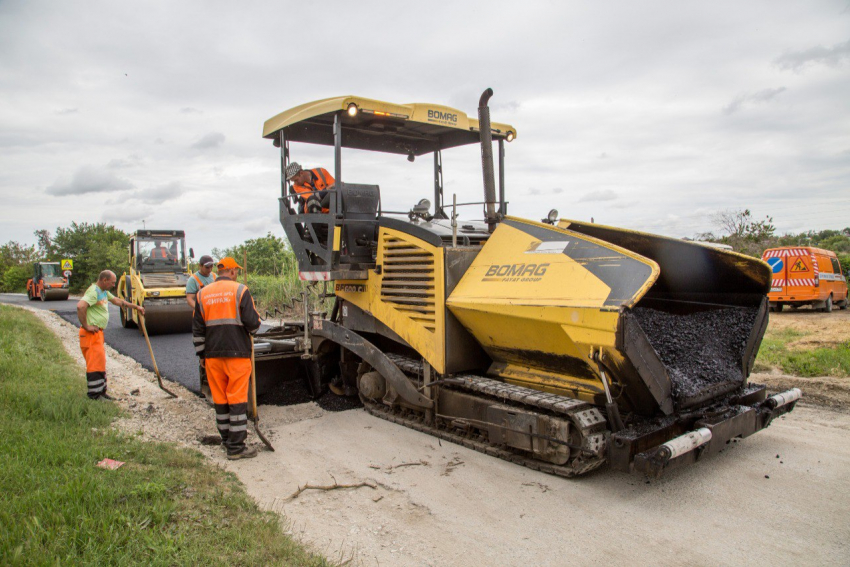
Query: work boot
[[246, 453], [105, 396]]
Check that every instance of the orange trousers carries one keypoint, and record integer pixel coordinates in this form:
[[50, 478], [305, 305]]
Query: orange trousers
[[229, 379], [92, 346]]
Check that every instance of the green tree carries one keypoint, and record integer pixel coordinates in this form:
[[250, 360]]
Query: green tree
[[15, 265], [15, 279], [267, 256], [93, 248], [743, 232]]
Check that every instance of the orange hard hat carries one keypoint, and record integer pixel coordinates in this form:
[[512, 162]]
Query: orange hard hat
[[228, 263]]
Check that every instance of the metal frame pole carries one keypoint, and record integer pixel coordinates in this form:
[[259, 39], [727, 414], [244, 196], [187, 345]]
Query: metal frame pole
[[503, 207], [284, 161], [439, 212], [337, 160]]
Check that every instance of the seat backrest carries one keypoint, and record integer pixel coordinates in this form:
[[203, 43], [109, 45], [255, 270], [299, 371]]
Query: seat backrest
[[359, 204]]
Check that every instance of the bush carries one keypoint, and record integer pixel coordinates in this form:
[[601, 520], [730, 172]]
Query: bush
[[15, 279]]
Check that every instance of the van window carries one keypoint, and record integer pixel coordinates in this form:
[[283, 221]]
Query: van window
[[836, 267]]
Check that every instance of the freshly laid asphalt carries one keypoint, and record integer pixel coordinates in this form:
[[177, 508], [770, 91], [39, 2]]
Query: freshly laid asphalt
[[175, 355]]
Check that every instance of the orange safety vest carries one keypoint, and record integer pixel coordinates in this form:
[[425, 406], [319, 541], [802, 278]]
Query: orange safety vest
[[224, 317], [219, 303], [323, 180], [161, 250], [200, 283]]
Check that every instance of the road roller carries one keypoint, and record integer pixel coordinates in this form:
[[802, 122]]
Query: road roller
[[48, 283], [157, 281], [558, 345]]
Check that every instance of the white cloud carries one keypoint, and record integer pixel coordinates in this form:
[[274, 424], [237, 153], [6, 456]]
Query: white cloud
[[742, 100], [127, 214], [89, 179], [829, 56], [599, 195], [602, 98], [211, 140]]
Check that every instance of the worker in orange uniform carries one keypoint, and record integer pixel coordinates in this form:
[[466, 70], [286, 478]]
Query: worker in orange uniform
[[160, 251], [225, 318], [312, 186], [94, 316]]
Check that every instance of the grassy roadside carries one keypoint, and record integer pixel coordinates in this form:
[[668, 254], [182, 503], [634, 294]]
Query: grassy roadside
[[165, 506], [777, 353]]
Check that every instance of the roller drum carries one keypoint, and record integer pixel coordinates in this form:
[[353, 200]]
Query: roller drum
[[58, 294], [167, 316]]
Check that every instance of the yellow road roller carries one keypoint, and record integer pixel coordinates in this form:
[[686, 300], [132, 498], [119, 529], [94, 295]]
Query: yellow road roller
[[157, 281], [558, 345]]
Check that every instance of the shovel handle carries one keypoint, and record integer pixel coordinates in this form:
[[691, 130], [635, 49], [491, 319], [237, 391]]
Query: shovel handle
[[153, 358]]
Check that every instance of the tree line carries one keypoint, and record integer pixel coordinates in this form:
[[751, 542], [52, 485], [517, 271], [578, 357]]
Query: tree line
[[98, 246], [94, 247], [748, 235]]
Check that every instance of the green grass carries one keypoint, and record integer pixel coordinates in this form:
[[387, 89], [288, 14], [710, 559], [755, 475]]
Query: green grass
[[166, 506], [824, 361], [272, 292]]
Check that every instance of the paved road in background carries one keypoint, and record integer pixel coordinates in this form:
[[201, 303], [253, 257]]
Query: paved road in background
[[175, 355]]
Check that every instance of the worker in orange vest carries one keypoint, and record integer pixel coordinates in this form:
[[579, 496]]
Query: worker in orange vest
[[94, 317], [225, 318], [160, 251], [312, 186], [204, 276]]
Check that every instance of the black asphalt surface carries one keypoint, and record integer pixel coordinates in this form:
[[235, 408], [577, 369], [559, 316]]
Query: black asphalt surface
[[175, 355]]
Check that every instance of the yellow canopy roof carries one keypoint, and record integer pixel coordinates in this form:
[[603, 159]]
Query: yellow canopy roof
[[416, 128]]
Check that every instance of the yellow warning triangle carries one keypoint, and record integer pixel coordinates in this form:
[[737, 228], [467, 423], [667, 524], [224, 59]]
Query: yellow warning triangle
[[799, 266]]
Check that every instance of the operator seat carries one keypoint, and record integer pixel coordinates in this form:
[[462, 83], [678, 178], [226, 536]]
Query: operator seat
[[359, 232]]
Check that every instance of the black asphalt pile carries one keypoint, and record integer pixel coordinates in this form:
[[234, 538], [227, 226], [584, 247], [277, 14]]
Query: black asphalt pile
[[699, 349], [293, 392]]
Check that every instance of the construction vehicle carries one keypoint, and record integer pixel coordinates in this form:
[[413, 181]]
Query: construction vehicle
[[805, 275], [157, 281], [559, 345], [48, 283]]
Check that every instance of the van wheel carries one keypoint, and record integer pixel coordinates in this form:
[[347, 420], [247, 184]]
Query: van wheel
[[828, 307], [843, 304], [779, 307]]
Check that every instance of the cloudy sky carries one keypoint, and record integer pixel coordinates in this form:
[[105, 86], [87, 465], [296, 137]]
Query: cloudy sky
[[648, 115]]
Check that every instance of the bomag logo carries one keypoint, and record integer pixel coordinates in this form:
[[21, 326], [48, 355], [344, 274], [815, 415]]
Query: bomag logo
[[515, 272], [440, 116], [350, 288]]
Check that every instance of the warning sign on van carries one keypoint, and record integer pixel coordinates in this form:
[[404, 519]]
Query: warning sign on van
[[799, 266]]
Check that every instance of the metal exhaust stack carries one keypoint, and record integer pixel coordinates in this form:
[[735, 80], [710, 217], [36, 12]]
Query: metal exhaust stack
[[487, 158]]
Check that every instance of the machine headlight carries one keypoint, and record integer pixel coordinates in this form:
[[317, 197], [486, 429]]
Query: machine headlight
[[552, 217], [510, 137], [352, 109], [422, 207]]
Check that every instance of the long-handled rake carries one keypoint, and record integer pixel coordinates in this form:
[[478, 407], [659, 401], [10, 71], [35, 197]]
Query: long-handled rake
[[253, 411], [153, 359]]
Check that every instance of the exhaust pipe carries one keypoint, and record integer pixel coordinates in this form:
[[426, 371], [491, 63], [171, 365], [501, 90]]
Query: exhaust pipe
[[487, 158]]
